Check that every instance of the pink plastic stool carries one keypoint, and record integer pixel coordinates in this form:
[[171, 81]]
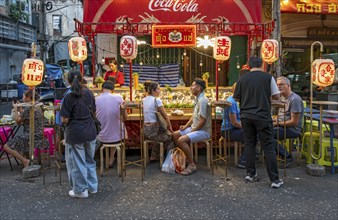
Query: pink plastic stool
[[47, 133]]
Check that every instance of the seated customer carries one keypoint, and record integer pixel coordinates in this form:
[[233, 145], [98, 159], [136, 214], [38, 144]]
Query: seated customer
[[198, 128], [20, 143], [294, 111], [232, 126], [108, 113], [152, 131]]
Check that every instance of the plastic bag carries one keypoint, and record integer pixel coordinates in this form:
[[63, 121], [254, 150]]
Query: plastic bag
[[179, 159], [168, 165]]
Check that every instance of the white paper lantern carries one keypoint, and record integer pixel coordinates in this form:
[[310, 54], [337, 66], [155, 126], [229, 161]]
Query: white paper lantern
[[222, 48], [77, 48], [32, 72], [128, 47], [323, 72], [270, 50]]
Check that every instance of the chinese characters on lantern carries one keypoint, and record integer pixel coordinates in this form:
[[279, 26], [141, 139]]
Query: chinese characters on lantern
[[222, 48], [128, 47], [77, 48], [270, 51], [323, 72], [32, 72]]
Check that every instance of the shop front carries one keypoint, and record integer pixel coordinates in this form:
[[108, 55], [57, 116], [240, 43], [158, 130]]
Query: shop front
[[105, 22]]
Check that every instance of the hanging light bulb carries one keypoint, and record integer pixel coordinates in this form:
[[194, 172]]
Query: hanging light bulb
[[238, 65], [201, 63], [184, 52], [103, 59], [157, 55], [121, 65], [219, 68], [141, 63]]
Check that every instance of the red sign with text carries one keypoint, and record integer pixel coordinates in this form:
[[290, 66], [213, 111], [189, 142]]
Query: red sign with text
[[173, 36], [172, 11], [309, 7]]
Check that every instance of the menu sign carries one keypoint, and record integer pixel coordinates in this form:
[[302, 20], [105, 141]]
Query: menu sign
[[173, 36]]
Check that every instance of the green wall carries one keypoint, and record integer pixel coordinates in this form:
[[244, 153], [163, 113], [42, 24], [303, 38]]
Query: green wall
[[239, 46]]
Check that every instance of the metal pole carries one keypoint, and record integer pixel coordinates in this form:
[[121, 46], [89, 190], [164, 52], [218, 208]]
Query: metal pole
[[276, 34], [216, 80], [131, 80], [311, 94]]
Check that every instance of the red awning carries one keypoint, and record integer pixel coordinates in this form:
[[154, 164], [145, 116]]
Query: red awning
[[172, 11]]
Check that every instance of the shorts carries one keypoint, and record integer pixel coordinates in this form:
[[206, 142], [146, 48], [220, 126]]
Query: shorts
[[195, 136]]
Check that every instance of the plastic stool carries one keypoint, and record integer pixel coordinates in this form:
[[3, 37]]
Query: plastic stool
[[118, 149], [145, 151], [306, 143], [47, 133], [325, 160]]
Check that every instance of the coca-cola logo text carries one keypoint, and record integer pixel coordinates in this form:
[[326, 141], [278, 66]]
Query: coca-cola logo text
[[173, 5]]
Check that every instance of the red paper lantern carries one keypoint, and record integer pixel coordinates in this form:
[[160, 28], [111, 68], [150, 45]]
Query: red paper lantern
[[32, 72], [222, 48], [270, 50], [77, 48], [128, 47], [323, 72]]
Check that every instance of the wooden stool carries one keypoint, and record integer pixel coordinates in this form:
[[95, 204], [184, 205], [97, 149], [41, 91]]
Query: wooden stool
[[145, 151], [208, 144], [118, 149]]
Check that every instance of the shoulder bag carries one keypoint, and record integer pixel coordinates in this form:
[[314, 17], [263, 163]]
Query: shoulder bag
[[160, 119], [96, 121]]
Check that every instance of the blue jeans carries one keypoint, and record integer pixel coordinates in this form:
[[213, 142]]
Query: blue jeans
[[81, 166], [264, 130], [236, 134], [289, 134]]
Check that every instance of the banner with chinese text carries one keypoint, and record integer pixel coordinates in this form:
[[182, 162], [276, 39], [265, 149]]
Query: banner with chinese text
[[173, 36]]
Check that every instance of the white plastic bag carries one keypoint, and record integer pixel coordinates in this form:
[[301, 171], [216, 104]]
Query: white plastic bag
[[168, 165]]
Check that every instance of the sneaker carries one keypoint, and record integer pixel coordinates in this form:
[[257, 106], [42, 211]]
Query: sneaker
[[251, 178], [83, 195], [276, 184], [92, 191], [241, 164]]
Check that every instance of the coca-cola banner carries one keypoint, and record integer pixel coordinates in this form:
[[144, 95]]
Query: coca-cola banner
[[172, 11], [173, 35], [310, 7]]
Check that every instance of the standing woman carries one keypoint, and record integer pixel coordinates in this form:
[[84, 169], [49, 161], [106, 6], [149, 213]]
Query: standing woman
[[151, 129], [80, 137]]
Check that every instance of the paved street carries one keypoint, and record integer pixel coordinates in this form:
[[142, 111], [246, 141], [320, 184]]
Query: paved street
[[165, 196]]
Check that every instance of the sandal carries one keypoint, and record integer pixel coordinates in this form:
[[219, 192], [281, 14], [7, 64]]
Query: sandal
[[189, 170]]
